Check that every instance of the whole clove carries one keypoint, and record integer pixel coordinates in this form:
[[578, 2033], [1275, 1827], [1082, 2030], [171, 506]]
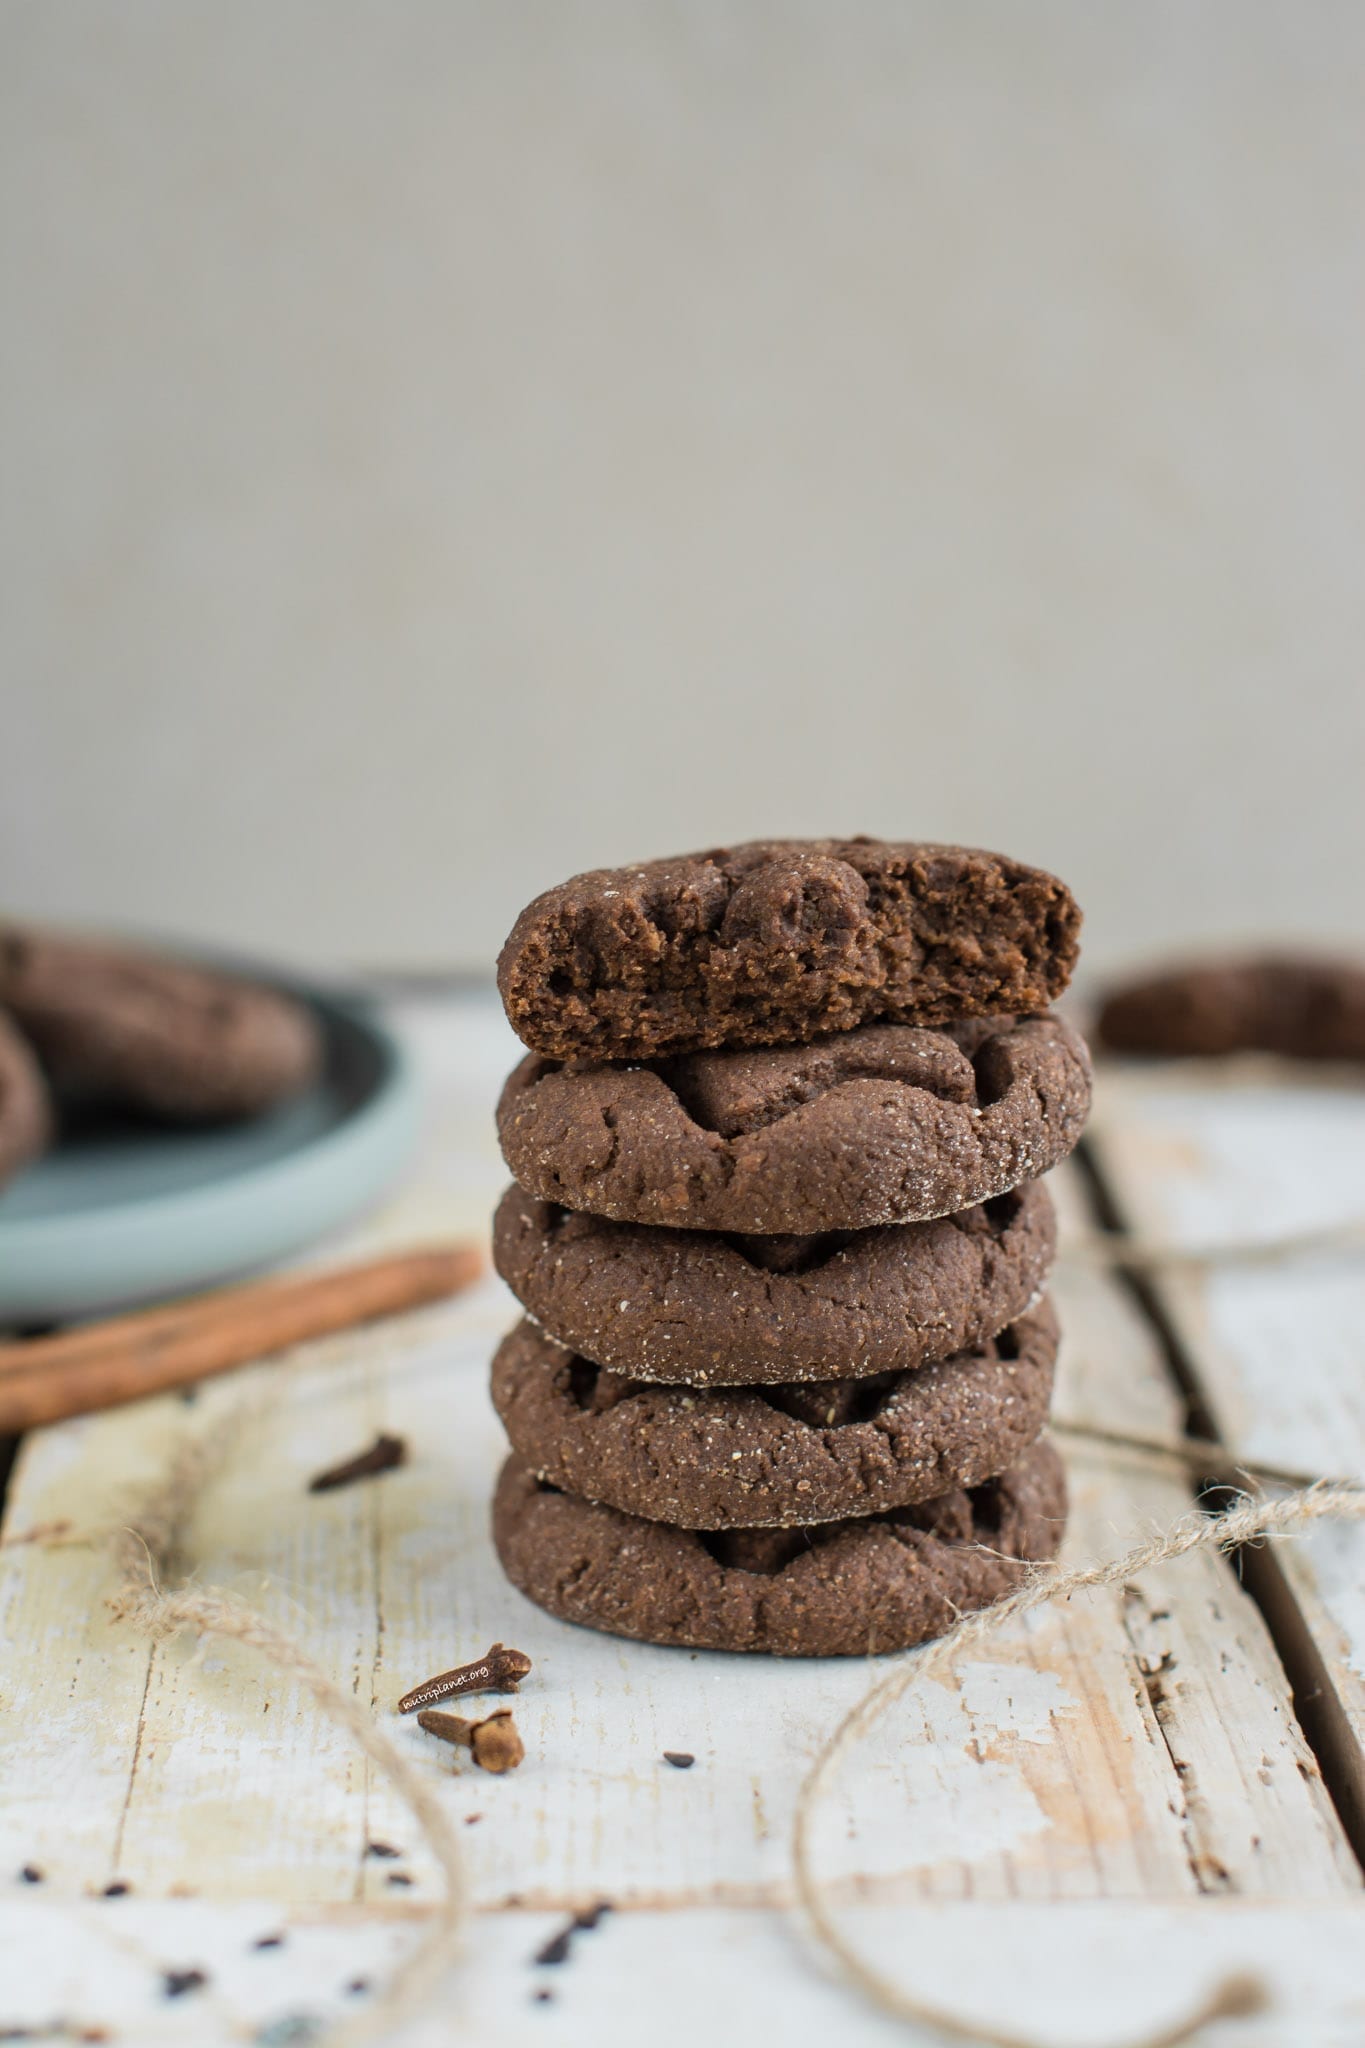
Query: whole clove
[[498, 1670], [383, 1455], [493, 1742]]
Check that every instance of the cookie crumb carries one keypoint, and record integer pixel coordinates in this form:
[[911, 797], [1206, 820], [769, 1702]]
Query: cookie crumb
[[30, 1874], [556, 1949], [399, 1878], [357, 1987], [117, 1890], [268, 1941], [177, 1983], [385, 1850], [681, 1759]]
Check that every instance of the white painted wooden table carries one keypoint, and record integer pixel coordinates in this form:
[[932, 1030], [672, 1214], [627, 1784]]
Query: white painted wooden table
[[1075, 1836]]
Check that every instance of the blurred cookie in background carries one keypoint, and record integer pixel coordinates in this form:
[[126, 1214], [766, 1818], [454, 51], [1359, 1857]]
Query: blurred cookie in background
[[1299, 1006], [115, 1025], [25, 1113]]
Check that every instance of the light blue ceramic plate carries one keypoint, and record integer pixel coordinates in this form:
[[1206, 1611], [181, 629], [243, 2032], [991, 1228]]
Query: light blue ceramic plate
[[124, 1213]]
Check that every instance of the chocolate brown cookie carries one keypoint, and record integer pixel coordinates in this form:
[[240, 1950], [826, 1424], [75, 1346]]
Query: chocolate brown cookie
[[25, 1118], [888, 1124], [837, 1589], [781, 941], [771, 1457], [696, 1308], [126, 1027], [1298, 1007]]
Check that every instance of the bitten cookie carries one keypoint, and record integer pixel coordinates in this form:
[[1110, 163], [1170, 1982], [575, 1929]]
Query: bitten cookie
[[838, 1589], [773, 1457], [693, 1307], [25, 1118], [1309, 1009], [126, 1027], [888, 1124], [780, 941]]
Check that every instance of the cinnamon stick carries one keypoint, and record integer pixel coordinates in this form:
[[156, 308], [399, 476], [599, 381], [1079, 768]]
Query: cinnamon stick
[[101, 1365]]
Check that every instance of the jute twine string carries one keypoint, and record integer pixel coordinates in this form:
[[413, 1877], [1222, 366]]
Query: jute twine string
[[146, 1551], [1236, 1996]]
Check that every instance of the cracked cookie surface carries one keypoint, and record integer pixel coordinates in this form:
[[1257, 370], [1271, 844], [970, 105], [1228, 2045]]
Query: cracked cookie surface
[[781, 941], [173, 1040], [777, 1456], [837, 1589], [25, 1114], [700, 1309], [886, 1124]]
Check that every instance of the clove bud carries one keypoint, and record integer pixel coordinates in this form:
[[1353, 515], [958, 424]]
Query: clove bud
[[494, 1741], [498, 1670]]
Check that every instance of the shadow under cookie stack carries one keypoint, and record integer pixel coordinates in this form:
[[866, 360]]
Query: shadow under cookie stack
[[779, 1233]]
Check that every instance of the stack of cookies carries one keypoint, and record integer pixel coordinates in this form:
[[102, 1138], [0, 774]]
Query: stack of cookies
[[779, 1234]]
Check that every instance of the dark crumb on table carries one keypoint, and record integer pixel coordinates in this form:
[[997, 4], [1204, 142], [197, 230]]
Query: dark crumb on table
[[30, 1874], [176, 1983], [398, 1877], [681, 1759], [357, 1987], [385, 1850], [556, 1949], [544, 1996], [472, 1819], [268, 1941], [117, 1890], [384, 1454]]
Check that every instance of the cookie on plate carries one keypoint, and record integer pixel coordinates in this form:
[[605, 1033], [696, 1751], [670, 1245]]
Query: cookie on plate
[[836, 1589], [771, 1457], [1299, 1007], [114, 1024], [25, 1116], [696, 1308], [886, 1124], [781, 941]]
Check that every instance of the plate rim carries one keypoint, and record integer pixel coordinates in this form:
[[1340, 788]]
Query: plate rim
[[363, 1150]]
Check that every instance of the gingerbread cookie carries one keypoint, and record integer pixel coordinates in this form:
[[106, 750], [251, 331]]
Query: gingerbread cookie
[[25, 1117], [781, 941], [771, 1457], [1298, 1007], [693, 1307], [836, 1589], [887, 1124], [129, 1028]]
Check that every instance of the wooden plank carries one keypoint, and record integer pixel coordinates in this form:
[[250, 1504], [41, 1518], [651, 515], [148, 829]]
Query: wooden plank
[[1112, 1378], [1135, 1745], [1276, 1349], [1091, 1751], [1077, 1976]]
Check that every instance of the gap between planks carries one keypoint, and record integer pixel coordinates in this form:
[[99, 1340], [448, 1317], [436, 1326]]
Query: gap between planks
[[1322, 1719]]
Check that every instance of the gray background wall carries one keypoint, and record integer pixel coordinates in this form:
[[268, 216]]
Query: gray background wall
[[449, 445]]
